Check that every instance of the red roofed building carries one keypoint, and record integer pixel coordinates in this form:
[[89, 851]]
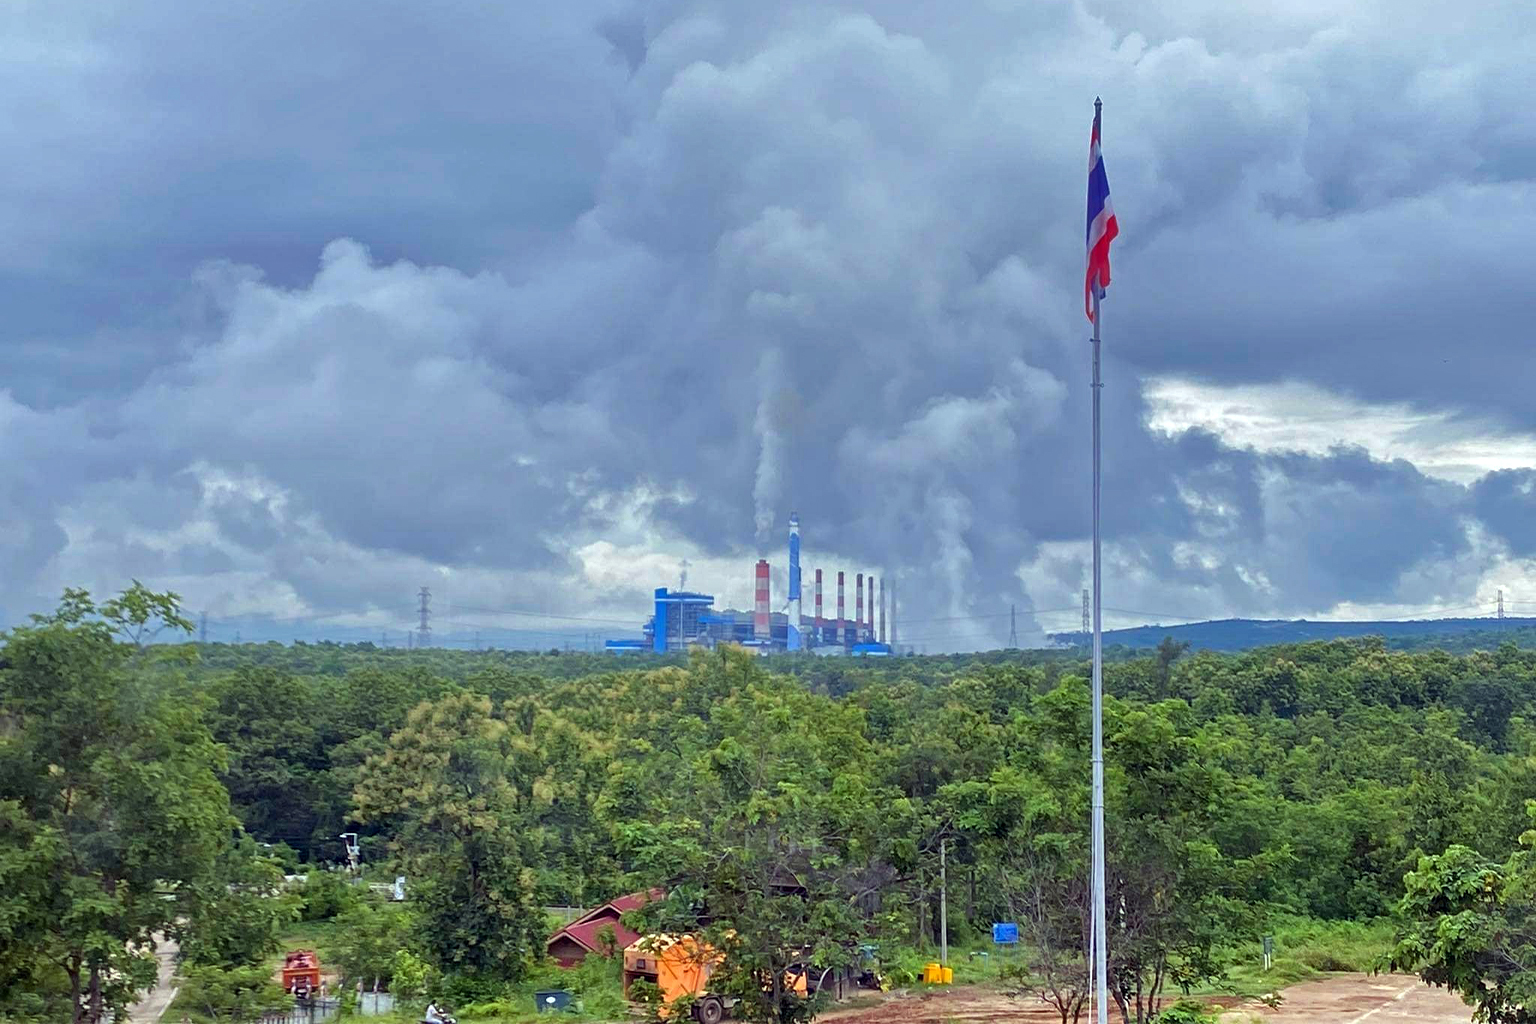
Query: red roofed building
[[570, 945]]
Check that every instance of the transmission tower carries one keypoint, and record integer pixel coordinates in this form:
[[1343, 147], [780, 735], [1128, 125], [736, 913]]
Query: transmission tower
[[1013, 628], [424, 633], [1087, 617], [202, 628], [1501, 602], [682, 574]]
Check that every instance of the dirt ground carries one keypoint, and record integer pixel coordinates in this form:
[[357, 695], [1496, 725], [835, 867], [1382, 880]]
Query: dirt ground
[[1340, 999]]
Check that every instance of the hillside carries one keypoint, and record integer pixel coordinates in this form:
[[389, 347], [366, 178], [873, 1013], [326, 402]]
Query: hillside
[[1454, 635]]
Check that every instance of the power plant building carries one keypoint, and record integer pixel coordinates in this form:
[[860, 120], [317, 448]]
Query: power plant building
[[684, 619]]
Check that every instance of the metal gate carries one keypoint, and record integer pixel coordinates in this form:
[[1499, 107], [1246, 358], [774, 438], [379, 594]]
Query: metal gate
[[316, 1011]]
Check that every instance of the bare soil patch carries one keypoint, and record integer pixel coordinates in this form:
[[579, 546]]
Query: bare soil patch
[[1340, 999]]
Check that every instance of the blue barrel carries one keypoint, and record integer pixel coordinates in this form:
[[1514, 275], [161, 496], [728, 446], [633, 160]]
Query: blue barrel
[[551, 1001]]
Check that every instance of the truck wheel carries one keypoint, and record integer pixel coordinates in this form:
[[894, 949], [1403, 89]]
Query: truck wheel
[[709, 1010]]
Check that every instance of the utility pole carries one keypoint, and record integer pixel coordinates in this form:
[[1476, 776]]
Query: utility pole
[[1013, 628], [202, 626], [425, 632], [943, 907]]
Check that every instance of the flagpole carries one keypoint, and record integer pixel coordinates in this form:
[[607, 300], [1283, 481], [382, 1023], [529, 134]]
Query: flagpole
[[1100, 973]]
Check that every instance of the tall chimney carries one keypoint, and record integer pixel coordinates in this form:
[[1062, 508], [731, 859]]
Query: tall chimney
[[842, 619], [870, 624], [885, 616], [892, 620], [858, 609], [762, 628], [792, 633], [816, 636]]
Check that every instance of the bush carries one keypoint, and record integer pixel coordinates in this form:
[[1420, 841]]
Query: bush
[[324, 895], [1186, 1011], [229, 994], [369, 937], [410, 976]]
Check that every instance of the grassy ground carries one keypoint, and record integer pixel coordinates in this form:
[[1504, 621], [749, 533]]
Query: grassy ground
[[1306, 949]]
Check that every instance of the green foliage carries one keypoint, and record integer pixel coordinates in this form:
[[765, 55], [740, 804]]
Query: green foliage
[[410, 975], [1471, 927], [1186, 1011], [232, 994], [233, 917], [326, 894], [108, 794], [790, 808], [369, 940], [451, 780]]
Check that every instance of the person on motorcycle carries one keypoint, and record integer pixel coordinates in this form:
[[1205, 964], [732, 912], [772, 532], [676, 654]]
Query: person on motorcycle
[[435, 1015]]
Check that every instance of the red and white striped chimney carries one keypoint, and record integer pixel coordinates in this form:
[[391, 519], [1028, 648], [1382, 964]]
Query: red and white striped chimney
[[858, 608], [762, 628], [816, 637], [842, 616]]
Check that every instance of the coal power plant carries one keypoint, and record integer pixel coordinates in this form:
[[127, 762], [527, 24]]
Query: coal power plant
[[683, 619]]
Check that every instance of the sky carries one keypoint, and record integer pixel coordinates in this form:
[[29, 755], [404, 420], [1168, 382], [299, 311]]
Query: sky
[[308, 306]]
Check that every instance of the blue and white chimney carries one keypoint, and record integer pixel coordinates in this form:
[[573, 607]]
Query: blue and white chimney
[[792, 638]]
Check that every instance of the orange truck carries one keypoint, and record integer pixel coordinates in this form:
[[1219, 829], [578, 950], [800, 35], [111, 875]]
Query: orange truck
[[301, 973], [680, 965]]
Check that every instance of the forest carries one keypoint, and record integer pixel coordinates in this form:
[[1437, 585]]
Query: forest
[[793, 809]]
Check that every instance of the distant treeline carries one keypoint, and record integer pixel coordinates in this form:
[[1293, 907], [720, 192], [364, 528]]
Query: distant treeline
[[1459, 636]]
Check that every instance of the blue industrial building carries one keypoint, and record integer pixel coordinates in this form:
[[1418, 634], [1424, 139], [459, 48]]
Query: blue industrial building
[[683, 618]]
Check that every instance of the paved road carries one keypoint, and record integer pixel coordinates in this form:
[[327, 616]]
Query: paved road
[[149, 1009], [1364, 999]]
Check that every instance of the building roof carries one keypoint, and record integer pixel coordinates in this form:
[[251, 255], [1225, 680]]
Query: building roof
[[584, 930]]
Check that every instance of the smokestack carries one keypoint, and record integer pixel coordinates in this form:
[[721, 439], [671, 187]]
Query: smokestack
[[816, 636], [885, 616], [858, 609], [762, 628], [842, 620], [893, 616], [870, 624], [792, 635]]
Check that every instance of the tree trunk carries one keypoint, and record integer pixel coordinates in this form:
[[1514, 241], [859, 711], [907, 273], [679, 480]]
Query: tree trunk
[[96, 1015], [73, 970]]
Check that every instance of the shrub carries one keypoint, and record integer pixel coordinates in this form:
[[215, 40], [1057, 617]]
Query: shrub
[[1186, 1011], [324, 895]]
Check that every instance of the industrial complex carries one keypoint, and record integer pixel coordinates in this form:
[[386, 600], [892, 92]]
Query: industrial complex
[[684, 619]]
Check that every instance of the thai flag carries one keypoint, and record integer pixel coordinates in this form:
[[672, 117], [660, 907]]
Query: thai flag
[[1102, 227]]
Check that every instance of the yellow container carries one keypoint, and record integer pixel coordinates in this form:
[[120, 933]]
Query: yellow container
[[932, 973], [949, 975]]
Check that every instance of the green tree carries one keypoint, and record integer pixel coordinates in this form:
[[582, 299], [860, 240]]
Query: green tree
[[1472, 929], [775, 854], [446, 785], [109, 795], [232, 918], [234, 994]]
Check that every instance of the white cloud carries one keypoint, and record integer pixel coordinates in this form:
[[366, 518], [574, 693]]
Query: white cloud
[[1295, 416]]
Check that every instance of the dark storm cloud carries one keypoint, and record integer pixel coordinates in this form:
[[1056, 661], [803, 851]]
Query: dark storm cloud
[[1506, 502], [353, 295]]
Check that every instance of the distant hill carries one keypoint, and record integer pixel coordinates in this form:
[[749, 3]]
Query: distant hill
[[1456, 635]]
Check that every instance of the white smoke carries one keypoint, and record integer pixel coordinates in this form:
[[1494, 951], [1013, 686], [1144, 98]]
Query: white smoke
[[768, 485]]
